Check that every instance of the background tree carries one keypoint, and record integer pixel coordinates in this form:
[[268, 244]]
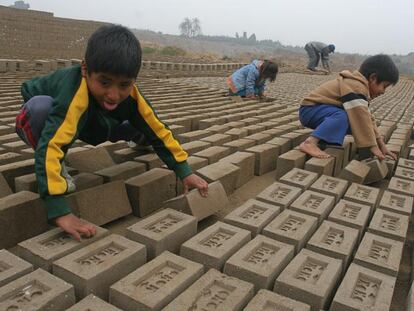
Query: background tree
[[185, 27]]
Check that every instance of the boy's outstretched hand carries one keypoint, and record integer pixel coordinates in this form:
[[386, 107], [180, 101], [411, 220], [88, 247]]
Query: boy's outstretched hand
[[75, 226], [194, 181], [377, 152]]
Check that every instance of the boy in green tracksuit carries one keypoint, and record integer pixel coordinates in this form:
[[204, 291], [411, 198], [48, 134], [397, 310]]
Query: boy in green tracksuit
[[94, 102]]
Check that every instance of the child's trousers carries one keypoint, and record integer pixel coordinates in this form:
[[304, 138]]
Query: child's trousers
[[330, 123], [32, 117]]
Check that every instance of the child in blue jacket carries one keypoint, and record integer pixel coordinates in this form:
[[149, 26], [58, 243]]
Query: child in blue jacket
[[249, 81]]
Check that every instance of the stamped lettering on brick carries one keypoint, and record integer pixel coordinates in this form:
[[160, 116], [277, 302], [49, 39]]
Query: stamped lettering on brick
[[24, 296], [253, 212], [292, 224], [163, 275], [390, 222], [4, 266], [362, 193], [334, 237], [313, 201], [350, 211], [262, 253], [280, 193], [407, 173], [56, 240], [101, 255], [311, 271], [272, 306], [396, 201], [380, 251], [217, 238], [409, 164], [403, 185], [162, 224], [299, 176], [330, 184], [366, 290], [212, 296]]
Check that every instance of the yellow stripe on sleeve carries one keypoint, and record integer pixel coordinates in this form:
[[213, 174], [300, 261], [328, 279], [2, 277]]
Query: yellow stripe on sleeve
[[55, 182], [158, 127]]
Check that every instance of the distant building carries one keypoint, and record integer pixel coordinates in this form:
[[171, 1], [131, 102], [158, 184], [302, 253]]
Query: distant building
[[20, 5]]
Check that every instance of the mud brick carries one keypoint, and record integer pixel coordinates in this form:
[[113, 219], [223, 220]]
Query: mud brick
[[292, 228], [206, 123], [155, 284], [279, 194], [320, 166], [150, 160], [334, 240], [164, 230], [15, 146], [44, 249], [314, 203], [364, 289], [224, 172], [5, 189], [410, 299], [380, 254], [284, 143], [91, 302], [236, 124], [259, 138], [253, 215], [265, 158], [102, 204], [217, 139], [397, 203], [22, 216], [216, 290], [9, 157], [97, 266], [299, 178], [26, 183], [192, 136], [296, 138], [237, 133], [362, 194], [404, 173], [122, 171], [218, 129], [378, 170], [288, 161], [411, 154], [395, 149], [267, 300], [310, 278], [12, 170], [338, 154], [351, 214], [123, 155], [239, 144], [390, 225], [401, 186], [147, 191], [253, 129], [213, 154], [331, 186], [12, 267], [194, 204], [350, 141], [260, 261], [87, 180], [251, 121], [177, 129], [195, 163], [38, 290], [90, 160], [406, 163], [391, 164], [246, 162], [355, 171], [214, 245]]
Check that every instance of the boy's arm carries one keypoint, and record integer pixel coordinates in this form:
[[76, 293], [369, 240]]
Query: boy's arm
[[59, 132], [144, 118], [250, 83], [325, 61]]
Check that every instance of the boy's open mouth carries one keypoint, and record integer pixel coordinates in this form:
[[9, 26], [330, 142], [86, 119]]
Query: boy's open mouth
[[109, 106]]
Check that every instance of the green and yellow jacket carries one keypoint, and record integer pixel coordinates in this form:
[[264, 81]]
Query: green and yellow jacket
[[75, 114]]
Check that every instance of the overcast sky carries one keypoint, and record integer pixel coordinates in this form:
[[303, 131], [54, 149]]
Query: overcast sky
[[355, 26]]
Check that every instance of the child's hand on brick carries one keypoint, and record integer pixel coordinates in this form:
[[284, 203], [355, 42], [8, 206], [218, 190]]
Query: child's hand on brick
[[377, 152], [194, 181], [75, 226], [386, 152]]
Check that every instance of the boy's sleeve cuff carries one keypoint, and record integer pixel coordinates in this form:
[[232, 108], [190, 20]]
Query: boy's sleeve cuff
[[182, 170], [56, 206]]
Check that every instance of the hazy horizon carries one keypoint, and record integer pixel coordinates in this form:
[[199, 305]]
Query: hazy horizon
[[364, 27]]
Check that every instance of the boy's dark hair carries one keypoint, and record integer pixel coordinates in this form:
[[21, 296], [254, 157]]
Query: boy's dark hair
[[113, 49], [269, 70], [381, 65]]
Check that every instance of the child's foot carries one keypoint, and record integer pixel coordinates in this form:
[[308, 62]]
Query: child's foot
[[313, 150]]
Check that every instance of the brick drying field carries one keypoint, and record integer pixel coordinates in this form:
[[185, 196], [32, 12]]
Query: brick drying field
[[279, 230]]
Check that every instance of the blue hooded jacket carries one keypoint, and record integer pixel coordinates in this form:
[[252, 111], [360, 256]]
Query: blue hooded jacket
[[245, 79]]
